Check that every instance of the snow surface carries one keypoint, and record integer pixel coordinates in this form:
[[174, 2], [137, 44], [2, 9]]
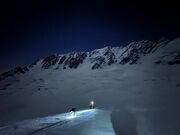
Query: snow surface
[[143, 97], [85, 122]]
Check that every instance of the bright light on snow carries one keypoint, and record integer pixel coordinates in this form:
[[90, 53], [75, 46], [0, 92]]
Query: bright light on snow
[[71, 117], [80, 113], [86, 111]]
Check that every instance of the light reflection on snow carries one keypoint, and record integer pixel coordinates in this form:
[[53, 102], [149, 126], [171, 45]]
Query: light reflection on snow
[[71, 117], [67, 120], [87, 110], [80, 113]]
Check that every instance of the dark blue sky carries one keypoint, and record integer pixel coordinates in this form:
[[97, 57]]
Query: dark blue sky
[[32, 29]]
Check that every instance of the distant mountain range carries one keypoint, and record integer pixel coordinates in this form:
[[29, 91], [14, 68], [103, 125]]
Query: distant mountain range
[[163, 51]]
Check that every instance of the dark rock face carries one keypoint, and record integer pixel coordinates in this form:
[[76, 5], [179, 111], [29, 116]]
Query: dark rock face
[[97, 62], [158, 62], [74, 60], [96, 66], [176, 60], [124, 60], [50, 61], [10, 73], [101, 57], [62, 60], [19, 70], [145, 47], [25, 69], [134, 59], [133, 52], [111, 58], [93, 52], [7, 74], [131, 58]]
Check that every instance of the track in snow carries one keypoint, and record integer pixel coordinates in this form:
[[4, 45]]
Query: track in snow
[[59, 123], [49, 124]]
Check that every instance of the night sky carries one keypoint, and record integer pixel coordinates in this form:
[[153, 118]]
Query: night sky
[[33, 29]]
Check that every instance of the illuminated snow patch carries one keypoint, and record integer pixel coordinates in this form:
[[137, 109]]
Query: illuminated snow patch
[[87, 111], [81, 113], [71, 117]]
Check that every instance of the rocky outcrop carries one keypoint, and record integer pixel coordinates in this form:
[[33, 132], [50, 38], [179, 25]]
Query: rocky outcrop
[[111, 58], [74, 60], [131, 57], [62, 59], [10, 73], [175, 60], [49, 61], [97, 62], [102, 57]]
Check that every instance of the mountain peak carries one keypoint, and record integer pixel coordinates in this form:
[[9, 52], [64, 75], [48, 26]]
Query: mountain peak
[[103, 57]]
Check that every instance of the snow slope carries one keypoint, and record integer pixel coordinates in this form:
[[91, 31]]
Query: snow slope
[[87, 122], [140, 88]]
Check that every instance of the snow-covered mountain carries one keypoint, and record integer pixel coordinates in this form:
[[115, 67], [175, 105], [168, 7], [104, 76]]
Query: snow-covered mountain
[[162, 51], [139, 81]]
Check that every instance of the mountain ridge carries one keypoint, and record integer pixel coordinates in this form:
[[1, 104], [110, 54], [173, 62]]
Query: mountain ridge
[[103, 57]]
